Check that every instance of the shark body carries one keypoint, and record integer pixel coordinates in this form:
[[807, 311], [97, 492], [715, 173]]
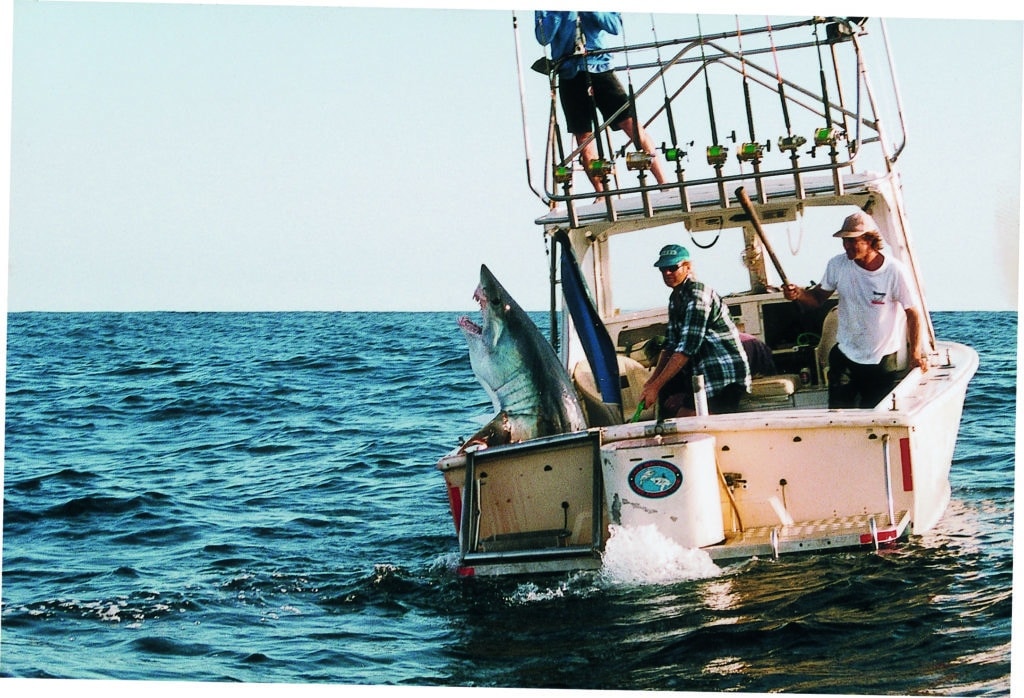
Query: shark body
[[528, 386]]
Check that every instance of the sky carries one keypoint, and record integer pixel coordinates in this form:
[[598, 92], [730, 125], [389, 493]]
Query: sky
[[229, 157]]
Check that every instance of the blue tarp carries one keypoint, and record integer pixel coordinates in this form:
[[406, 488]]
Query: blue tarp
[[597, 344]]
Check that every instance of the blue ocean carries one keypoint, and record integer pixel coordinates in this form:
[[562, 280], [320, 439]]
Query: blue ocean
[[251, 497]]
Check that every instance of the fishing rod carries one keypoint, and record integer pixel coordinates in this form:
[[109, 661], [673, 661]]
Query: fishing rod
[[561, 170], [673, 154], [639, 160], [717, 154], [751, 151], [828, 135], [839, 91], [600, 167], [824, 83], [790, 142]]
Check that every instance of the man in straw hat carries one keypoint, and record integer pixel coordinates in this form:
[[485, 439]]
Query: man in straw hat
[[701, 338], [873, 290]]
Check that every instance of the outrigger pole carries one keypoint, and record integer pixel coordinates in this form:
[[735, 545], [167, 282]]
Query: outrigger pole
[[522, 108], [717, 154]]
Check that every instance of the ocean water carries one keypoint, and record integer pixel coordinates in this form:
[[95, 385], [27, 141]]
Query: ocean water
[[251, 497]]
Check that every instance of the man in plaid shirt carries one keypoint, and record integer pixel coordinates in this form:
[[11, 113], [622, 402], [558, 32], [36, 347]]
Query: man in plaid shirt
[[701, 339]]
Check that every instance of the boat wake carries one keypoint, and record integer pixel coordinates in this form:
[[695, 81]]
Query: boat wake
[[633, 556], [642, 555]]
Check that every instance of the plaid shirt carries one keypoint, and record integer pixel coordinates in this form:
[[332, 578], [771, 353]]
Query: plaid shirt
[[700, 327]]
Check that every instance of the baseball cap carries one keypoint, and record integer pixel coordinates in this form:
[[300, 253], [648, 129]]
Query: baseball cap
[[671, 255], [855, 225]]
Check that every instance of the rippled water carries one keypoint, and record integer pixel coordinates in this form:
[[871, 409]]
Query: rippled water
[[251, 497]]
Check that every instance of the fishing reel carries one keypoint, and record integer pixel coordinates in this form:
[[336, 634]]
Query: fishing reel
[[791, 143], [826, 136], [675, 153], [639, 160], [752, 152], [599, 167], [717, 155]]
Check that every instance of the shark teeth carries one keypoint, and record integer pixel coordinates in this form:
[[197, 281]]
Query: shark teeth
[[469, 326]]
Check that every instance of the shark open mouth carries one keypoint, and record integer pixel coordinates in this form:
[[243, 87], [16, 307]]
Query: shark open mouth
[[469, 326]]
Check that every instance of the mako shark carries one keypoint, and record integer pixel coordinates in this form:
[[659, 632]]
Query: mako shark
[[528, 386]]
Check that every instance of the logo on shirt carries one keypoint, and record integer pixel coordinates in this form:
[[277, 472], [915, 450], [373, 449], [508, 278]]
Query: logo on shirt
[[877, 298]]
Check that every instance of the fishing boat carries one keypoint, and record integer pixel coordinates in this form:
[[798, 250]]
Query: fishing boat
[[774, 132]]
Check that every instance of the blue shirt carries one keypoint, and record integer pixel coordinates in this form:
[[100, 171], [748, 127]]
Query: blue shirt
[[700, 327], [558, 29]]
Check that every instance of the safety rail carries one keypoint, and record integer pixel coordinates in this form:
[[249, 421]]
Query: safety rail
[[838, 126]]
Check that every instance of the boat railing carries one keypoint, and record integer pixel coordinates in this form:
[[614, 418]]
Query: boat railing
[[823, 122]]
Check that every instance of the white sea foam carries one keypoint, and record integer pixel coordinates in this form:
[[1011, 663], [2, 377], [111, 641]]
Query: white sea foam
[[531, 593], [642, 555]]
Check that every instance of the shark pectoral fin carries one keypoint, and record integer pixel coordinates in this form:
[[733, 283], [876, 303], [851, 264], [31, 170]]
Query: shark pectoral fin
[[496, 432]]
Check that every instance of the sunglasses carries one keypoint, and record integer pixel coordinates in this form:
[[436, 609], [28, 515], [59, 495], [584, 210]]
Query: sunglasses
[[672, 269]]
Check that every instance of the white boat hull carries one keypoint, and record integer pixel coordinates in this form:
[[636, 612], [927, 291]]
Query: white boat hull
[[792, 480]]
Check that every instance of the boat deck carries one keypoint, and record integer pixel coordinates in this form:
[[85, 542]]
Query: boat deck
[[840, 533], [809, 536]]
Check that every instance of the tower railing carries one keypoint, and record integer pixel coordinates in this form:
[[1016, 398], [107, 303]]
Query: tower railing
[[827, 127]]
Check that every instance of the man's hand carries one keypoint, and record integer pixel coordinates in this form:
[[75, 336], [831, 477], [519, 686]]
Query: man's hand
[[649, 395], [919, 360]]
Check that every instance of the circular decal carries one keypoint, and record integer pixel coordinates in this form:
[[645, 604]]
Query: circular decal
[[655, 478]]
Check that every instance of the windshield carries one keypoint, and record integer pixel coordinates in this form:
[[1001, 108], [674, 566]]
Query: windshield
[[803, 247]]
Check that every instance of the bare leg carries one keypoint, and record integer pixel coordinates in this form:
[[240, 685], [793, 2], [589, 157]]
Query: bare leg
[[588, 155]]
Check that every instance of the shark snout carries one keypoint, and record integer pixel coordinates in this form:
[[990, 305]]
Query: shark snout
[[480, 296]]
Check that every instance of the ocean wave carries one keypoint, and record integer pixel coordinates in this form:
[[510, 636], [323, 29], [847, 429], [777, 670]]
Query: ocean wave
[[253, 496]]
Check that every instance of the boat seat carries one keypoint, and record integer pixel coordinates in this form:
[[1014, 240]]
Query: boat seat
[[829, 327], [783, 385], [632, 376], [768, 391]]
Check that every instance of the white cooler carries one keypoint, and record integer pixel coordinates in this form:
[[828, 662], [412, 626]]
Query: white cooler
[[671, 482]]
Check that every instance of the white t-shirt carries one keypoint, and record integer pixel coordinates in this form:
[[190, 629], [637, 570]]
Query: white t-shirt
[[872, 307]]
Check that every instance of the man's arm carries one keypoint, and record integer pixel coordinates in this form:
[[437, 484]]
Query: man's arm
[[546, 25], [670, 364], [918, 357], [610, 22], [810, 297]]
